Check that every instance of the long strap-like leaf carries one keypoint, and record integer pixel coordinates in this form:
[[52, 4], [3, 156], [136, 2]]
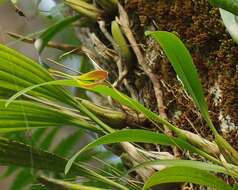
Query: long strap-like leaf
[[182, 63], [186, 174]]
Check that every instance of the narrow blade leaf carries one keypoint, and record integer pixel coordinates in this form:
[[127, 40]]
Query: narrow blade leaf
[[186, 174], [187, 163], [182, 63], [47, 35], [136, 135]]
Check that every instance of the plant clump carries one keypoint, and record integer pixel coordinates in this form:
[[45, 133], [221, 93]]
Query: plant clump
[[214, 53]]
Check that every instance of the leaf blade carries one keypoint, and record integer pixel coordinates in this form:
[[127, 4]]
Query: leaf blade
[[48, 34], [128, 135], [186, 174]]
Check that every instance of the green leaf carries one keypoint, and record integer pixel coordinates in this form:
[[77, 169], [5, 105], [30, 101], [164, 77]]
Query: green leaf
[[182, 63], [186, 174], [187, 163], [67, 82], [18, 72], [87, 80], [70, 82], [25, 115], [47, 35], [137, 135], [14, 79]]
